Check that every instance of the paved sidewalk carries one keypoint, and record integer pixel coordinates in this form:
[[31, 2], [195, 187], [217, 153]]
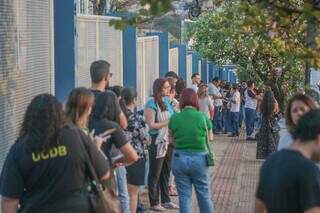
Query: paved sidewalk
[[234, 177]]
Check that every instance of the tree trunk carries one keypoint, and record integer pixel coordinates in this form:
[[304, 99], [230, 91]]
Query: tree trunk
[[312, 32], [307, 75]]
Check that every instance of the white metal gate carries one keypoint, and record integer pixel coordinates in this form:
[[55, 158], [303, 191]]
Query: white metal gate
[[27, 65], [148, 66], [189, 70], [174, 60], [97, 40]]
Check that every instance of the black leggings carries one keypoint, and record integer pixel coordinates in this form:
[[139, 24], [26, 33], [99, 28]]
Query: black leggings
[[159, 173]]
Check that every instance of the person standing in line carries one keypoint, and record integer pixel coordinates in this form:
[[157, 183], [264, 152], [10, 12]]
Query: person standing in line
[[78, 109], [172, 95], [268, 135], [205, 102], [46, 169], [117, 147], [250, 108], [297, 106], [180, 86], [158, 111], [100, 80], [172, 75], [137, 134], [117, 91], [189, 158], [289, 179], [195, 81], [242, 114], [258, 119], [175, 104], [214, 92], [235, 110], [226, 116]]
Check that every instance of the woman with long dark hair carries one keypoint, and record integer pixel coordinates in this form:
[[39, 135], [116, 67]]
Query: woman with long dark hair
[[102, 119], [189, 164], [158, 110], [45, 170], [268, 135], [137, 134]]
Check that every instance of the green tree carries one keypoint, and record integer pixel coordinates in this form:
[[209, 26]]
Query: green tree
[[230, 36], [291, 27]]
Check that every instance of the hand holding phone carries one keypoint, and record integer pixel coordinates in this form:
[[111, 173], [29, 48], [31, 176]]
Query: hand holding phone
[[118, 160]]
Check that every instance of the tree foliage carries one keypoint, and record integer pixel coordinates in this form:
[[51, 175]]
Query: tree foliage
[[245, 35], [275, 41]]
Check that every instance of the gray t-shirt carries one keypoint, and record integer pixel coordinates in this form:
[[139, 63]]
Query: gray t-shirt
[[213, 90], [204, 104]]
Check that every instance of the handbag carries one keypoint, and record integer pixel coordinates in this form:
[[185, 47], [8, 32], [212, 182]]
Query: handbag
[[102, 199], [210, 157]]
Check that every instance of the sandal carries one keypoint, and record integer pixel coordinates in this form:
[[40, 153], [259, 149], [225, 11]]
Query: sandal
[[172, 191], [157, 208], [170, 205]]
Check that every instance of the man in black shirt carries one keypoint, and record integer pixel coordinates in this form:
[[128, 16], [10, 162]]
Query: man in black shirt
[[290, 180], [100, 79]]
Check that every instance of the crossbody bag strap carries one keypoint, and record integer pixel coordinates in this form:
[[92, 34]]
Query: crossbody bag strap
[[92, 173], [207, 132]]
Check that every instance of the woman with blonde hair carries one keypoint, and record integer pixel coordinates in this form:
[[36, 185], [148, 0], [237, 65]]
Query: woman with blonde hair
[[78, 108], [205, 102]]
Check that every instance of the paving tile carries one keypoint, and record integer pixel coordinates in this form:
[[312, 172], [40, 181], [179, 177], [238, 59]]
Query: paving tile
[[234, 177]]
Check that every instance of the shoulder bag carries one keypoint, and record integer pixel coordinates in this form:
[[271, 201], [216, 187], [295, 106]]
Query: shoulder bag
[[102, 199], [210, 158]]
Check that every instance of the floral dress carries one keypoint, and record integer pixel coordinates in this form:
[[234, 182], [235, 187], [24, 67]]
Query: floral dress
[[137, 132], [267, 137]]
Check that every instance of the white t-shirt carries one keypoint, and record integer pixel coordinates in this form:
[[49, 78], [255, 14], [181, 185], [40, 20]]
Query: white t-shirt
[[213, 90], [194, 87], [235, 107], [250, 103]]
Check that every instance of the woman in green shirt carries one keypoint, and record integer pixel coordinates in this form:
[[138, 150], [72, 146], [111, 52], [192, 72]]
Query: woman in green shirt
[[188, 132]]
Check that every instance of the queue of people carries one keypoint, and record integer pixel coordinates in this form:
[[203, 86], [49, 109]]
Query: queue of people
[[99, 132], [98, 140]]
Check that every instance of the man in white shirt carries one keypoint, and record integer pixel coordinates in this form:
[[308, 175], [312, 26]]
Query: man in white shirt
[[251, 98], [214, 92], [195, 81], [235, 110]]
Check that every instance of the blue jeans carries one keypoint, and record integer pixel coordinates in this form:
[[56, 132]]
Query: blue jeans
[[218, 119], [190, 169], [250, 118], [257, 122], [241, 115], [121, 174], [235, 122], [226, 117]]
